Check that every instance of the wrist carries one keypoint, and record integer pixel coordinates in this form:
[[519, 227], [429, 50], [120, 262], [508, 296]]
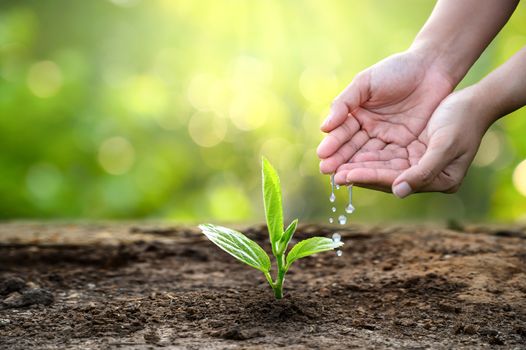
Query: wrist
[[504, 90], [438, 57], [457, 32], [479, 106]]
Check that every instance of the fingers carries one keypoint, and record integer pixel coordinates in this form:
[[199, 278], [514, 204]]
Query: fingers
[[398, 164], [421, 176], [340, 177], [379, 178], [360, 142], [351, 98], [344, 153], [338, 137], [339, 111]]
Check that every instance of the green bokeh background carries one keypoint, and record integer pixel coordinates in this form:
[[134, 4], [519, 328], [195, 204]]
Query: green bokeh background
[[162, 109]]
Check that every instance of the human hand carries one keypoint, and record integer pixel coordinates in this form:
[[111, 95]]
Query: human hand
[[385, 108], [437, 160]]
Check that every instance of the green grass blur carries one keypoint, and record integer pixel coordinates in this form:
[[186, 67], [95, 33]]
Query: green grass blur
[[162, 109]]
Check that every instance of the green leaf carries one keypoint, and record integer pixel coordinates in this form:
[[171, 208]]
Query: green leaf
[[238, 245], [272, 201], [311, 246], [287, 235]]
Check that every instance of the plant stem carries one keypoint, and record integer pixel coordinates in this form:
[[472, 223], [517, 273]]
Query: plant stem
[[269, 279], [278, 292], [278, 285]]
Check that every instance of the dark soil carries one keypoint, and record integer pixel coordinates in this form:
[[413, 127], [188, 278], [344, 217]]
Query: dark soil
[[129, 286]]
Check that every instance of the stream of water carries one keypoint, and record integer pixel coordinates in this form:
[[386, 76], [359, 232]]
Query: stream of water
[[342, 219]]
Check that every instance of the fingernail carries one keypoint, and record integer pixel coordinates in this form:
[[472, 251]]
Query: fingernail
[[402, 190]]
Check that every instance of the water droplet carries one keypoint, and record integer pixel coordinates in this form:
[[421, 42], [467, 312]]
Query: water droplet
[[336, 237], [349, 208], [337, 187], [333, 209], [332, 198], [331, 220], [342, 219], [339, 253]]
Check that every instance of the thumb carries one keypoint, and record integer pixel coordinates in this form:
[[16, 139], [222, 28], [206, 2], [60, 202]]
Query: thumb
[[419, 176]]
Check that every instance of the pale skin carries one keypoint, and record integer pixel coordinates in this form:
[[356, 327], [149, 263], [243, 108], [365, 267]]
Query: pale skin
[[398, 127]]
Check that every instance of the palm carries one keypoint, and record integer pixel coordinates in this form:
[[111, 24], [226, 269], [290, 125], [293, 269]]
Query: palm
[[378, 169], [387, 124]]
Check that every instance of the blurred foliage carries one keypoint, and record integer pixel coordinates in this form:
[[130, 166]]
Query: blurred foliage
[[162, 109]]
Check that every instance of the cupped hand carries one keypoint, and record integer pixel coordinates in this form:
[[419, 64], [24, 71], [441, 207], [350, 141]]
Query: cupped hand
[[384, 111], [436, 160]]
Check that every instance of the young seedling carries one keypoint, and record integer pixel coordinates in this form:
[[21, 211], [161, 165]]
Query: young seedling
[[246, 250]]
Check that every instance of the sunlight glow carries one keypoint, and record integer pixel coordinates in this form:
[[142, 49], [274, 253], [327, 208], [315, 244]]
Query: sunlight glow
[[44, 79], [199, 91], [249, 110], [489, 150], [207, 129], [519, 178], [43, 181], [229, 202], [116, 155], [318, 85], [145, 94], [125, 3]]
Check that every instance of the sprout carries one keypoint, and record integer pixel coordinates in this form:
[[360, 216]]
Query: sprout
[[246, 250]]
